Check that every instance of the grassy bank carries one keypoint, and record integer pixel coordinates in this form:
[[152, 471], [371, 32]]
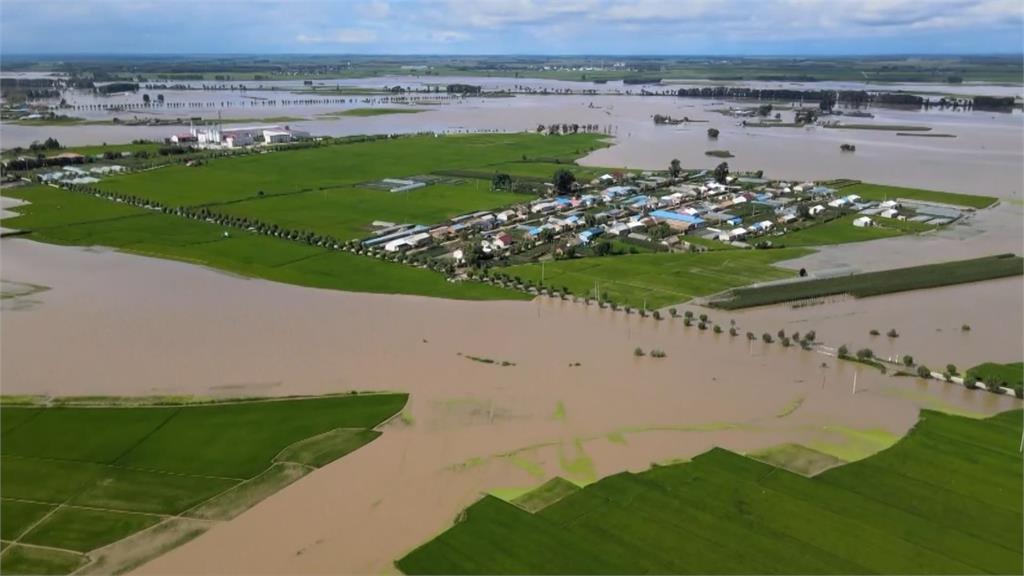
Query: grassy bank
[[944, 500], [880, 192], [876, 283], [660, 279], [1005, 375], [76, 479]]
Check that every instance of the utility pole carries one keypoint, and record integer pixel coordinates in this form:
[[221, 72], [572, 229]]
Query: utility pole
[[855, 373]]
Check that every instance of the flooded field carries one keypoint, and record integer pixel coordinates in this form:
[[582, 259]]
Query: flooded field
[[123, 324], [985, 142]]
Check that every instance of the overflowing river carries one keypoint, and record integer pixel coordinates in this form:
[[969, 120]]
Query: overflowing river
[[114, 323]]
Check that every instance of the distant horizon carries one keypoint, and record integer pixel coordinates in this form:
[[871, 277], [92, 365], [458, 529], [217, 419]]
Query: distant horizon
[[716, 28], [793, 56]]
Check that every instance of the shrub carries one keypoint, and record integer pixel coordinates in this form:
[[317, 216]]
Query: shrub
[[673, 312], [781, 333], [687, 322], [785, 341], [688, 314], [702, 326], [924, 372], [638, 351], [795, 336], [718, 329], [733, 332], [810, 336], [843, 351], [657, 315], [892, 333], [971, 383], [767, 338], [951, 368], [703, 317], [873, 332], [908, 360], [966, 328], [750, 336], [658, 354]]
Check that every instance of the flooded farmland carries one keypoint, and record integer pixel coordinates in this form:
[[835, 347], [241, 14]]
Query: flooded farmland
[[124, 324], [984, 142]]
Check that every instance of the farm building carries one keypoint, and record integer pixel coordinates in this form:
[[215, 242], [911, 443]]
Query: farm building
[[863, 222], [816, 209], [678, 221]]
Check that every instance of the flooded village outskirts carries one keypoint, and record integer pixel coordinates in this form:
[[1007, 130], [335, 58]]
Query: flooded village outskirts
[[549, 278]]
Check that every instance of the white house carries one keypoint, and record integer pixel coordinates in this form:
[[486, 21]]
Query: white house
[[816, 209], [890, 213], [863, 222]]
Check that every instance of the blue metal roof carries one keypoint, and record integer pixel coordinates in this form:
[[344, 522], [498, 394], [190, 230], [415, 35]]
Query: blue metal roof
[[667, 215]]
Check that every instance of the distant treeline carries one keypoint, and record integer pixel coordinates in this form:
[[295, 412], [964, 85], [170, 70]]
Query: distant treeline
[[853, 98], [115, 87]]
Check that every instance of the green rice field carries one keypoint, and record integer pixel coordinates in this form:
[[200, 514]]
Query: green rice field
[[877, 283], [946, 499], [1008, 375], [76, 478], [660, 279]]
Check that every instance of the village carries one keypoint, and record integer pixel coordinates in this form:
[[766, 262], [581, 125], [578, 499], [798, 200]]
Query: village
[[647, 212]]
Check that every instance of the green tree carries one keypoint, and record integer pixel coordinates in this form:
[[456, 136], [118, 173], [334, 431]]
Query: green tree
[[713, 133], [501, 181], [721, 172], [908, 360], [564, 180], [674, 169], [602, 248], [924, 372], [865, 354], [843, 351]]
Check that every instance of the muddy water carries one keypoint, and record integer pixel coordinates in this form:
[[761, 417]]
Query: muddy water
[[986, 143], [120, 324]]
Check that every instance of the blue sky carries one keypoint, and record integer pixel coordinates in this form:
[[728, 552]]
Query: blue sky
[[703, 27]]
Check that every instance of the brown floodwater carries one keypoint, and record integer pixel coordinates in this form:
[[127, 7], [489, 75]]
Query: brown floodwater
[[986, 143], [113, 323]]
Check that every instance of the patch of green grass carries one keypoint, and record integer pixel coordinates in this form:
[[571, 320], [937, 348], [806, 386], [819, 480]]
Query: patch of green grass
[[545, 495], [876, 283], [660, 279], [18, 516], [797, 458], [881, 193], [81, 530], [374, 111], [914, 508], [842, 231], [321, 450], [17, 559]]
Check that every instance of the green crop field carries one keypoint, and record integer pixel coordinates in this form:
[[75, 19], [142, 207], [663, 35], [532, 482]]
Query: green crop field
[[881, 193], [944, 500], [876, 283], [310, 169], [74, 479], [61, 217], [841, 231], [660, 279]]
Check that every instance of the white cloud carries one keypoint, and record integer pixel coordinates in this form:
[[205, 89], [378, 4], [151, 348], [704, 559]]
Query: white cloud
[[340, 36], [374, 10]]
